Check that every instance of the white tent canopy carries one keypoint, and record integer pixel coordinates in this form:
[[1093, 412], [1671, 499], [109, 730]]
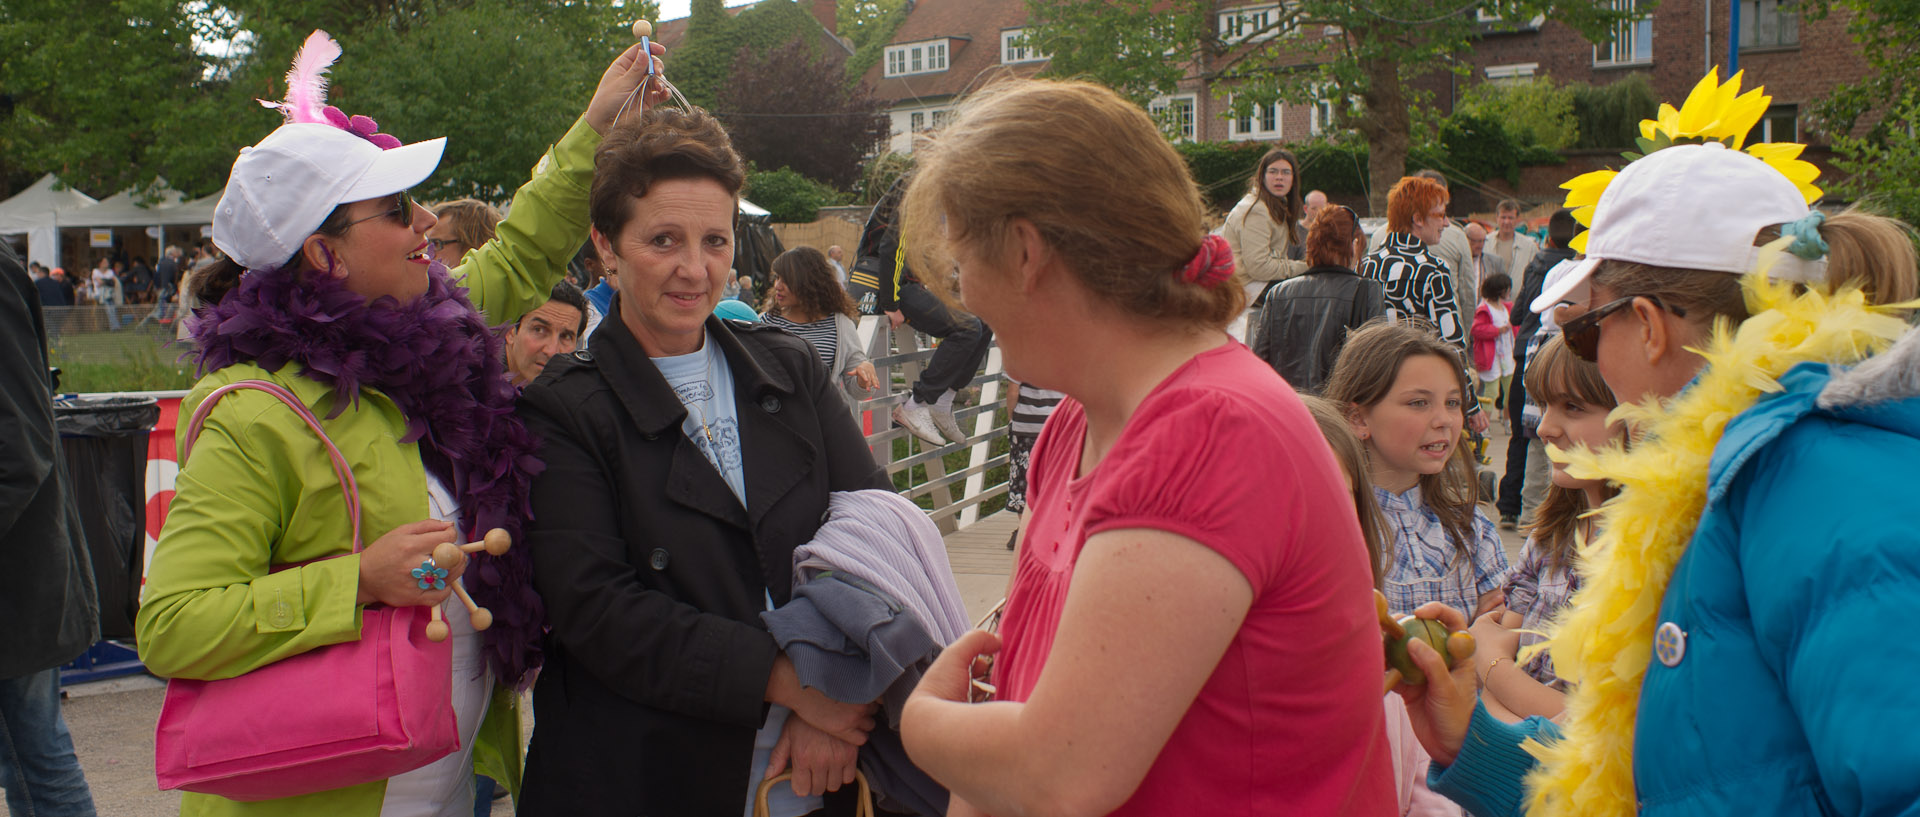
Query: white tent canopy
[[126, 209], [32, 212]]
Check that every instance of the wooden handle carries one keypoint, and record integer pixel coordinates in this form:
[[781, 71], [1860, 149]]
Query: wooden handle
[[863, 809], [436, 629], [481, 617]]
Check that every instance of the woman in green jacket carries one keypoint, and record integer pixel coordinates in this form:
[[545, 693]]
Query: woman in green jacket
[[330, 291]]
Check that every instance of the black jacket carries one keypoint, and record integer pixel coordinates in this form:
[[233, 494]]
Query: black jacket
[[47, 596], [1532, 283], [653, 575], [879, 252], [1306, 320]]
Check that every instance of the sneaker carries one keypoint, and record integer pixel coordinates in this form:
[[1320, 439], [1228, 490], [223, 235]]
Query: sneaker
[[943, 420], [918, 421], [1488, 486], [1509, 522]]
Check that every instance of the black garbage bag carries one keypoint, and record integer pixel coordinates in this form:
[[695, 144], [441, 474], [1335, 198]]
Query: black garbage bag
[[105, 442]]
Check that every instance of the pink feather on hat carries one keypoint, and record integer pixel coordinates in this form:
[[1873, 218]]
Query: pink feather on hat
[[307, 82]]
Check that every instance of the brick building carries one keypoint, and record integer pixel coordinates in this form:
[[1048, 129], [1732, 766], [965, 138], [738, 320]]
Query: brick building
[[1799, 61], [946, 47], [943, 49]]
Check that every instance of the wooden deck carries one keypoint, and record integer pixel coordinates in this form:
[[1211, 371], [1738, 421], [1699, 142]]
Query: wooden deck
[[981, 561]]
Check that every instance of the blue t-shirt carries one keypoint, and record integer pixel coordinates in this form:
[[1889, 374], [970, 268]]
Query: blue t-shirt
[[705, 386]]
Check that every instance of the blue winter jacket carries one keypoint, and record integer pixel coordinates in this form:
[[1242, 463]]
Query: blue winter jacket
[[1794, 694]]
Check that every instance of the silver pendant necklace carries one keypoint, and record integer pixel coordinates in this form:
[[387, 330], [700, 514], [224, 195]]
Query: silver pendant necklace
[[693, 405]]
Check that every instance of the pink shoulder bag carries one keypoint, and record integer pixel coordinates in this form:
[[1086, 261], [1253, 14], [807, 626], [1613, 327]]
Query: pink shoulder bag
[[337, 716]]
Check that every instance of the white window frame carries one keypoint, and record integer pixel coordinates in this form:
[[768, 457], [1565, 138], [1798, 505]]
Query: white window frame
[[1255, 118], [1234, 24], [1485, 17], [1512, 71], [1763, 130], [1011, 54], [1627, 35], [925, 57], [1319, 116], [1187, 127], [1750, 16]]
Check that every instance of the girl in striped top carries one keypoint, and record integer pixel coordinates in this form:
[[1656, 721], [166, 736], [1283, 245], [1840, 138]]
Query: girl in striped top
[[808, 301]]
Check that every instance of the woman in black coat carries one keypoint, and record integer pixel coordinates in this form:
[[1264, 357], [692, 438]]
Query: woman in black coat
[[686, 458]]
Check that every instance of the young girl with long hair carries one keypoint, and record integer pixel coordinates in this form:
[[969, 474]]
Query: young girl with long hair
[[1405, 392], [807, 300], [1575, 403]]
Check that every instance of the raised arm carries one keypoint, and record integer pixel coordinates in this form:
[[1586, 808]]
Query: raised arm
[[546, 225]]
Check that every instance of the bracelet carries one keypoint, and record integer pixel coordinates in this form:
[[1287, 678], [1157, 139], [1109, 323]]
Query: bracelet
[[1494, 663]]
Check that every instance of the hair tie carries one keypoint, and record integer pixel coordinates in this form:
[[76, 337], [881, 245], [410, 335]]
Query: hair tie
[[1807, 242], [1211, 264]]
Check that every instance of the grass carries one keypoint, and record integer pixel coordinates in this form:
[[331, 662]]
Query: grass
[[957, 461], [144, 359]]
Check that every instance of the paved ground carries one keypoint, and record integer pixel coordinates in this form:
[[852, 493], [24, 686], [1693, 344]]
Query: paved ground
[[112, 721]]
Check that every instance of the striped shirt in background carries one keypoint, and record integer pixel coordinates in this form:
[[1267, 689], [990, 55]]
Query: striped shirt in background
[[1032, 407], [820, 333]]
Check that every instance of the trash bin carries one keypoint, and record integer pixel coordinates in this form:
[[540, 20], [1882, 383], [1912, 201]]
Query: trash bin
[[105, 442]]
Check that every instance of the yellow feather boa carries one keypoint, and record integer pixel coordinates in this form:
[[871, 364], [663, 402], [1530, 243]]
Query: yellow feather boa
[[1605, 635]]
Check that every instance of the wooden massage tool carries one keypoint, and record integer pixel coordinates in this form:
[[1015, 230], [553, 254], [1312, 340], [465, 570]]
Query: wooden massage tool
[[496, 542], [1455, 646]]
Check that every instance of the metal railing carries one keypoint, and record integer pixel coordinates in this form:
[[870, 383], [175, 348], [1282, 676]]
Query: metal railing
[[957, 494]]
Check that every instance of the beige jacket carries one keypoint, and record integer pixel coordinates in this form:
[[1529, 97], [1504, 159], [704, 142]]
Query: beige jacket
[[1259, 244]]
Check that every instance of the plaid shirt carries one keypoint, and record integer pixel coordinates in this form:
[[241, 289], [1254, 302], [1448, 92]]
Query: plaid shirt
[[1426, 565], [1537, 591]]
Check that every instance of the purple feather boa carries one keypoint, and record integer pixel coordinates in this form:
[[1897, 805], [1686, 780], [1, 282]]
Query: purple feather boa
[[441, 364]]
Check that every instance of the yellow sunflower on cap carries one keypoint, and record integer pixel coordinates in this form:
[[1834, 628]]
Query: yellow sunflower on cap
[[1713, 112]]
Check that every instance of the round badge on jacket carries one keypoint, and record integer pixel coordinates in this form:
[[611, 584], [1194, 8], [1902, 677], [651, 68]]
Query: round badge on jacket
[[1670, 644]]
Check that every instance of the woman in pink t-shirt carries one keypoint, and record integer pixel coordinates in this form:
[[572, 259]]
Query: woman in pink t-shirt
[[1189, 629]]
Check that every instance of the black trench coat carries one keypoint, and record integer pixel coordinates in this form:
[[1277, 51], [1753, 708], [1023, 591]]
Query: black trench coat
[[653, 575], [48, 612]]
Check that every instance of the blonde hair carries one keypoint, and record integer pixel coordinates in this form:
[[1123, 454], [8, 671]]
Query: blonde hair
[[1870, 250], [1363, 375], [1114, 201], [1352, 456]]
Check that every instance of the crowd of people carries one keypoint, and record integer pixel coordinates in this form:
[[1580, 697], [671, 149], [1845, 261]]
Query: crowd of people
[[712, 586]]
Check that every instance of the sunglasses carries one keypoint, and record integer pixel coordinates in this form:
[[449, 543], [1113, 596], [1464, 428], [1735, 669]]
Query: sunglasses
[[1583, 333], [402, 212]]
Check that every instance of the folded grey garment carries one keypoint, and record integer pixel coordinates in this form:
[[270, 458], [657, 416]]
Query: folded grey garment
[[852, 642], [898, 785]]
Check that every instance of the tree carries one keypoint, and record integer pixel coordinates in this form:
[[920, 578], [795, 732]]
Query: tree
[[714, 38], [1361, 57], [109, 93], [789, 108], [89, 89], [868, 25], [1871, 121]]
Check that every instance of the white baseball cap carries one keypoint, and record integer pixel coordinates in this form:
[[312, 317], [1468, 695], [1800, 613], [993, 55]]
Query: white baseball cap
[[1691, 207], [283, 188]]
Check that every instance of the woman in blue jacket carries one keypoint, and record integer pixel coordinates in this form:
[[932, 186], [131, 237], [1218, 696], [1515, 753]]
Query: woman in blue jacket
[[1772, 677]]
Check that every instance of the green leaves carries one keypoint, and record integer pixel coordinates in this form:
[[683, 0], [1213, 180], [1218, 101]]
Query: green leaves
[[110, 93]]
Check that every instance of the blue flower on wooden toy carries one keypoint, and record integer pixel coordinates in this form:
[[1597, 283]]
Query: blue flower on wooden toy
[[430, 576]]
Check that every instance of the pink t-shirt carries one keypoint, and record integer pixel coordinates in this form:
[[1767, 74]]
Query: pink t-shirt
[[1224, 453]]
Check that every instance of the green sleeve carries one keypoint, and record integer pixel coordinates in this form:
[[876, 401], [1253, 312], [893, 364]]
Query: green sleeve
[[211, 608], [515, 272]]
